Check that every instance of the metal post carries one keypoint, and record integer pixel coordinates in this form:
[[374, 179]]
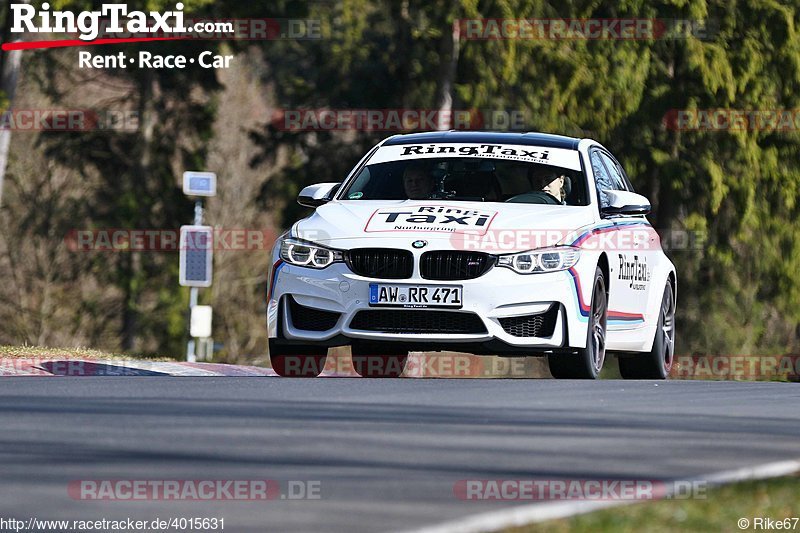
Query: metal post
[[198, 213], [191, 355]]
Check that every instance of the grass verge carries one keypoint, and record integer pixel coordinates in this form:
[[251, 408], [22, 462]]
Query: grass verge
[[35, 352], [776, 499]]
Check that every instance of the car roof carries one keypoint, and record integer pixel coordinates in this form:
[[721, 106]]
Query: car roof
[[529, 139]]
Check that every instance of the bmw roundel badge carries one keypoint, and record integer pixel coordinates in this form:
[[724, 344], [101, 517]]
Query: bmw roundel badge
[[419, 244]]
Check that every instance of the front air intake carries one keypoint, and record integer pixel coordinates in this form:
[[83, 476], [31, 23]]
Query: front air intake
[[542, 325], [418, 322]]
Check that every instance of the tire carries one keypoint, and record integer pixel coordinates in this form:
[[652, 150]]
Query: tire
[[379, 361], [297, 361], [588, 362], [658, 363]]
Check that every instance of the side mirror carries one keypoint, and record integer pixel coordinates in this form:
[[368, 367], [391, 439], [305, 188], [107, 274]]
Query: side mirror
[[626, 203], [317, 195]]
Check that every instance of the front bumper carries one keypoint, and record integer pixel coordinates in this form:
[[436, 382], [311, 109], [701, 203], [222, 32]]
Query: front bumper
[[492, 300]]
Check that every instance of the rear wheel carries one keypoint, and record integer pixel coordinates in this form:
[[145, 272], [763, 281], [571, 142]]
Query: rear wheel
[[588, 362], [297, 361], [379, 361], [658, 363]]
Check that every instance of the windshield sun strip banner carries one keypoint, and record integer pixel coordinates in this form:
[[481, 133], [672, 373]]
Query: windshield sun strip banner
[[557, 157]]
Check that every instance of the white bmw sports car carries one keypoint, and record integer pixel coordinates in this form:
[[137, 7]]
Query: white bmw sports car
[[485, 243]]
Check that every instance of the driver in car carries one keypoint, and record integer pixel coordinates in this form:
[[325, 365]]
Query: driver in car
[[418, 181]]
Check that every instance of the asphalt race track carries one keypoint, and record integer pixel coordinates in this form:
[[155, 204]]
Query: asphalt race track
[[387, 454]]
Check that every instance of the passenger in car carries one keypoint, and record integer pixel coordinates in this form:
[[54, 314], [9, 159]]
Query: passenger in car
[[550, 182]]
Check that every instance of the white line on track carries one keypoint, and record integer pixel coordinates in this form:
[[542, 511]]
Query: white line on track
[[541, 512]]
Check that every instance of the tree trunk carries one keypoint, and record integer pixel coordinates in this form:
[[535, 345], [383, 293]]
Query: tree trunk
[[449, 51], [132, 264], [9, 75]]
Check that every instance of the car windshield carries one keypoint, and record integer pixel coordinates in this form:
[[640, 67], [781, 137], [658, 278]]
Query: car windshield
[[469, 179]]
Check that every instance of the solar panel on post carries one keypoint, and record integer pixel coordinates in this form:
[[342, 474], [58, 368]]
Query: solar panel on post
[[196, 256]]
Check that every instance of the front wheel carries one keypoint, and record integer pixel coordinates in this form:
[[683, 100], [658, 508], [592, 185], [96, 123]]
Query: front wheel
[[658, 363], [377, 361], [297, 361], [588, 362]]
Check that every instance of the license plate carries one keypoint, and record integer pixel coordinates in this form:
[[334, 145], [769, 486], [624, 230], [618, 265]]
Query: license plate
[[415, 296]]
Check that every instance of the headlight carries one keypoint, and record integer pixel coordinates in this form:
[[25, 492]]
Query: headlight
[[541, 261], [306, 254]]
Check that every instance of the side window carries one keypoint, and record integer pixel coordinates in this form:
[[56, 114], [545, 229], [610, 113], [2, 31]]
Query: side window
[[625, 176], [601, 177], [617, 176], [358, 187]]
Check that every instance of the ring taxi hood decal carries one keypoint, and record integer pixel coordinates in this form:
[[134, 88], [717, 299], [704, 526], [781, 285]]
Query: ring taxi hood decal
[[466, 222], [436, 218], [557, 157]]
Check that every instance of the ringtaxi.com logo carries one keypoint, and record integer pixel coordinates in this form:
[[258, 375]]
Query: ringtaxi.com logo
[[117, 21], [87, 24]]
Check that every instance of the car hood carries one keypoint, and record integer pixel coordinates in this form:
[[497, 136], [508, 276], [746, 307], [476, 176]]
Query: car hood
[[442, 225]]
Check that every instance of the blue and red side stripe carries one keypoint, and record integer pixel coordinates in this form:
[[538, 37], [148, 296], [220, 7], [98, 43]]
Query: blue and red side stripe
[[586, 308], [586, 235]]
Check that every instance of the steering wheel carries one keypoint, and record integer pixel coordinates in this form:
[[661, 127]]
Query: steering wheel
[[534, 197]]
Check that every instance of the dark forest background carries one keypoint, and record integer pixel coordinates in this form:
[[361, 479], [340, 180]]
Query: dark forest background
[[736, 191]]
